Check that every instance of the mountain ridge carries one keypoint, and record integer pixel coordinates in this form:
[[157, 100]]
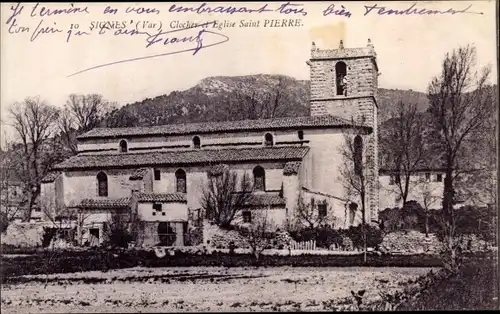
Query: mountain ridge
[[227, 98]]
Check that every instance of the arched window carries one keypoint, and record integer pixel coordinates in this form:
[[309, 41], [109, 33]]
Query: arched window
[[353, 207], [259, 178], [340, 77], [268, 139], [123, 146], [196, 142], [102, 184], [180, 181], [300, 134], [358, 155]]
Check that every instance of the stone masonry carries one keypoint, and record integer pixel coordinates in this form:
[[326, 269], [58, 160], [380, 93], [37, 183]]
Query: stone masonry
[[359, 104]]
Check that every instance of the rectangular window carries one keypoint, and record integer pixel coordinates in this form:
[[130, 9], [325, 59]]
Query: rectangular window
[[247, 216], [391, 180], [322, 210], [439, 177], [157, 207], [427, 176], [157, 174]]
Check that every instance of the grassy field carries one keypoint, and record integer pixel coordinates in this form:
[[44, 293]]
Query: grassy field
[[201, 289]]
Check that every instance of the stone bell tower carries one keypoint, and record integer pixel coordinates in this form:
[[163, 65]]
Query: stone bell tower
[[344, 83]]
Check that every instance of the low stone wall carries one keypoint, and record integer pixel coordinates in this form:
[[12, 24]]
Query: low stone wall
[[416, 242], [24, 234], [215, 237], [410, 242]]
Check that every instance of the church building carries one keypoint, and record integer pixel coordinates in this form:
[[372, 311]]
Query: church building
[[159, 172]]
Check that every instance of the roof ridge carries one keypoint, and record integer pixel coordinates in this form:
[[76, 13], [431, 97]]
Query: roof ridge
[[90, 134], [188, 150]]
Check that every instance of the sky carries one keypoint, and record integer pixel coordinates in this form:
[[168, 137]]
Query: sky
[[410, 47]]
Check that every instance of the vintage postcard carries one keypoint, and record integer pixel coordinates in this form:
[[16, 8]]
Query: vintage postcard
[[249, 156]]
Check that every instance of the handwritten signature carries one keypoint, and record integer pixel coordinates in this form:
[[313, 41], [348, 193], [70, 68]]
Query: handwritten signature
[[167, 38]]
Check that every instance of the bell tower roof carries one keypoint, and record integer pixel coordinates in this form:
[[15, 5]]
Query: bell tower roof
[[318, 54]]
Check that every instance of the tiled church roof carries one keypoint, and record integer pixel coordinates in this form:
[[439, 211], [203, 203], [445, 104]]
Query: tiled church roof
[[51, 177], [265, 200], [165, 198], [226, 126], [104, 203], [200, 156], [124, 202]]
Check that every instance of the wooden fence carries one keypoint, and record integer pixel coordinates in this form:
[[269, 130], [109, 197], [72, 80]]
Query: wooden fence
[[311, 246], [304, 245]]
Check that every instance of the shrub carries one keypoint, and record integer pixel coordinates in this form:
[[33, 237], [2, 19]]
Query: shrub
[[48, 235], [4, 222], [373, 236]]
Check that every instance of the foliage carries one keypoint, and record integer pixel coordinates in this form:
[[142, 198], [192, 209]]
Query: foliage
[[4, 222], [64, 261], [259, 233], [358, 233], [48, 235], [327, 236], [403, 146], [224, 195], [473, 287], [118, 231], [307, 214]]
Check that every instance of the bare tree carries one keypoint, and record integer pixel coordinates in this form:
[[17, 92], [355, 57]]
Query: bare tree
[[259, 232], [9, 184], [81, 114], [308, 214], [34, 122], [224, 195], [67, 131], [354, 171], [459, 102], [87, 110], [403, 146], [429, 199]]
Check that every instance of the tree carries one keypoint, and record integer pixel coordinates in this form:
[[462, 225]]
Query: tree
[[81, 114], [429, 199], [259, 233], [11, 199], [459, 104], [87, 110], [224, 195], [34, 122], [67, 131], [118, 230], [354, 171], [308, 214], [459, 101], [403, 145]]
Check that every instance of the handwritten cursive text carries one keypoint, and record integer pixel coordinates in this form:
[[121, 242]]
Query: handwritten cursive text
[[412, 10]]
